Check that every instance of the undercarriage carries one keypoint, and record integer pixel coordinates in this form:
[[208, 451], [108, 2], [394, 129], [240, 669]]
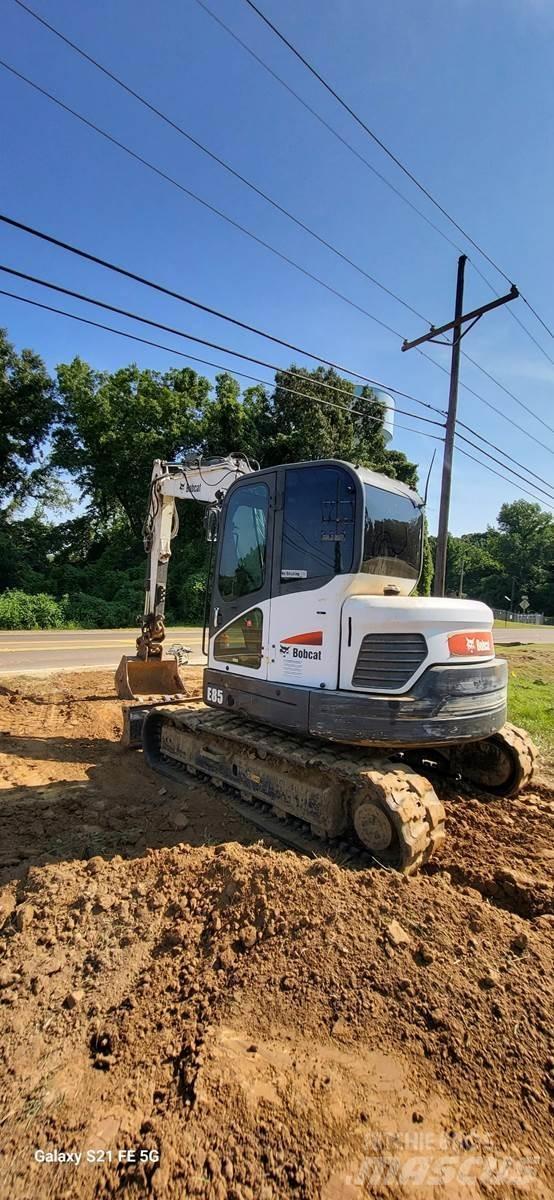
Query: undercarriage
[[369, 807]]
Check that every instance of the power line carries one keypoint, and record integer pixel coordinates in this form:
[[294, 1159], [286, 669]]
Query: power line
[[179, 333], [216, 346], [326, 124], [500, 476], [514, 314], [373, 169], [372, 135], [270, 366], [489, 404], [216, 211], [87, 255], [217, 366], [492, 457], [193, 195], [508, 392], [178, 296], [181, 354], [184, 133], [504, 453], [216, 158]]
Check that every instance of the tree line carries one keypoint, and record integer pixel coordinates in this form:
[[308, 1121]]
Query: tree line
[[86, 439]]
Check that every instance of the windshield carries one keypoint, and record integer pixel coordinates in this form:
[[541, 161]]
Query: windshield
[[393, 532]]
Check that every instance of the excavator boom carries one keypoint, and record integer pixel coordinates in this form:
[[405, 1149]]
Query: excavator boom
[[205, 481]]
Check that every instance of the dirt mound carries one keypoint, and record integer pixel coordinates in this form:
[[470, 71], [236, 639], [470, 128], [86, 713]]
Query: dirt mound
[[257, 1024]]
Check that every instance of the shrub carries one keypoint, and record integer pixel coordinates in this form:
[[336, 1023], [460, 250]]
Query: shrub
[[93, 612], [19, 610]]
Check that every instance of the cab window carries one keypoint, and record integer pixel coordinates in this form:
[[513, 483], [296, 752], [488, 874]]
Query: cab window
[[318, 523], [393, 534], [241, 641], [243, 548]]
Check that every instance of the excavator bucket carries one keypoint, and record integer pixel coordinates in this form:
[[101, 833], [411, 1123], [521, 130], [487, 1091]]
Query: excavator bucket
[[139, 677]]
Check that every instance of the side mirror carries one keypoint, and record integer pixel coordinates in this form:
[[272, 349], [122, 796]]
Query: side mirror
[[211, 523]]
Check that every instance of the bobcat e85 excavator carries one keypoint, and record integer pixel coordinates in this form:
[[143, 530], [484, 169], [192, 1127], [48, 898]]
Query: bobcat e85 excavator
[[330, 691]]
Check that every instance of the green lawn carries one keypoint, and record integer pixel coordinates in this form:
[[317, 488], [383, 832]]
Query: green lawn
[[531, 691], [501, 624]]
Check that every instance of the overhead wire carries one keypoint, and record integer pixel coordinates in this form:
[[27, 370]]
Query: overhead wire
[[215, 17], [223, 367], [184, 133], [193, 358], [194, 195], [402, 167], [193, 337], [215, 158], [493, 458], [230, 221], [509, 393], [510, 310], [375, 138], [233, 352], [387, 182], [248, 183], [489, 404], [179, 295], [96, 259], [493, 471]]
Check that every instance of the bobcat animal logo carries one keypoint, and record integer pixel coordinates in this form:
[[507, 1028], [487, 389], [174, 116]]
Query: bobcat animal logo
[[284, 649]]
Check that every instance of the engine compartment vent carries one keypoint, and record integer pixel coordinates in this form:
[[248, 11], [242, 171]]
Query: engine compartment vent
[[386, 662]]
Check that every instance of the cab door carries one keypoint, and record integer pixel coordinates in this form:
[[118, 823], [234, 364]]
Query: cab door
[[240, 601]]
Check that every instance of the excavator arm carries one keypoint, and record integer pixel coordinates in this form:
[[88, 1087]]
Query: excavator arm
[[204, 481]]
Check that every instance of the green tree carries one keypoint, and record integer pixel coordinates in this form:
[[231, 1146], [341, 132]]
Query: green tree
[[113, 426], [28, 408], [316, 414]]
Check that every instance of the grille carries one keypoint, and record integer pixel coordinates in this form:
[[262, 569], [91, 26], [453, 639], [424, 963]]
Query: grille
[[387, 663]]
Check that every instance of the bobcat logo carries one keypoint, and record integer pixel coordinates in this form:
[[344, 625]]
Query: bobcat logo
[[284, 649], [470, 642]]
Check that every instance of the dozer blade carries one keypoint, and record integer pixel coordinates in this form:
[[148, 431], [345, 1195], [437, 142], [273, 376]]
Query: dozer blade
[[138, 677]]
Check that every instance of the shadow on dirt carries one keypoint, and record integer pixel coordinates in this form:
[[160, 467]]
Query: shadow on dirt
[[121, 808]]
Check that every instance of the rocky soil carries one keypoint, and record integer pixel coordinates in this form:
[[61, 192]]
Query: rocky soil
[[205, 1014]]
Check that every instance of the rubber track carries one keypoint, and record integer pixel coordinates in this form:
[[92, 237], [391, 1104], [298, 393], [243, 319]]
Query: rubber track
[[526, 752], [525, 755], [416, 810]]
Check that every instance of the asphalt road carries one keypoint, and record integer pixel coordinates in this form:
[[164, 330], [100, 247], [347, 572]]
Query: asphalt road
[[75, 649], [58, 650]]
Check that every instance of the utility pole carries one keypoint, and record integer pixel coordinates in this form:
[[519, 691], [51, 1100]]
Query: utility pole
[[450, 429], [439, 581]]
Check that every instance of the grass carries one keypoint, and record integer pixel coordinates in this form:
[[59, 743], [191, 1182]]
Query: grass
[[531, 691], [500, 623]]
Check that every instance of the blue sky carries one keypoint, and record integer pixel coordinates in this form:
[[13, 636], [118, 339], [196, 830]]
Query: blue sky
[[462, 92]]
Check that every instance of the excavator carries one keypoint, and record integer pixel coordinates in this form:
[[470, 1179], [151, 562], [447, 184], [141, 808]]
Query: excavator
[[332, 694]]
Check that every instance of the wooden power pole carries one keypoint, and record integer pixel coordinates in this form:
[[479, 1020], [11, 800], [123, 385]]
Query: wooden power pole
[[439, 582], [450, 429]]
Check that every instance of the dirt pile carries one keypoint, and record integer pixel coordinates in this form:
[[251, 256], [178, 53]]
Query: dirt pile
[[257, 1024]]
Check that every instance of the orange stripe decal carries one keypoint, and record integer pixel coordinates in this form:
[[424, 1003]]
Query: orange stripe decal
[[305, 639]]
